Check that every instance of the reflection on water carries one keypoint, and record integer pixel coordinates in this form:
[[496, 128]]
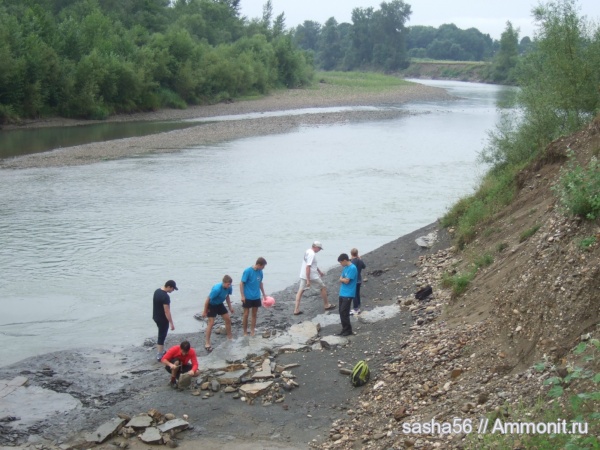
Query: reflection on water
[[35, 140], [90, 244]]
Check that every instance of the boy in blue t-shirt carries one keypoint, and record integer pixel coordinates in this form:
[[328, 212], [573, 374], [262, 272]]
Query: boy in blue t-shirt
[[213, 306], [348, 281], [251, 288]]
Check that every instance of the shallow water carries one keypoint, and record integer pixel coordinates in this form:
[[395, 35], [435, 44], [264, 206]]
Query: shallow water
[[83, 248]]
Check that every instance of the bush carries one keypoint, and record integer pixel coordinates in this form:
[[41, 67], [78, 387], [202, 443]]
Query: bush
[[578, 188]]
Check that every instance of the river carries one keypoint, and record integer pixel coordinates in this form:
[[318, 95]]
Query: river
[[83, 248]]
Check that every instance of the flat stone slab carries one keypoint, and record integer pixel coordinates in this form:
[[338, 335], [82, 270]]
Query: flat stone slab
[[9, 386], [303, 332], [329, 342], [175, 424], [151, 435], [265, 371], [293, 348], [140, 421], [232, 377], [105, 431], [252, 390]]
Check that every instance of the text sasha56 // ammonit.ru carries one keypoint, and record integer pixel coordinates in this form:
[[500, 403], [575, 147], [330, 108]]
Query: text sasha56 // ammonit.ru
[[482, 426]]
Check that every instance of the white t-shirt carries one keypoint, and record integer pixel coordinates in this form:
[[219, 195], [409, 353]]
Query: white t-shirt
[[310, 259]]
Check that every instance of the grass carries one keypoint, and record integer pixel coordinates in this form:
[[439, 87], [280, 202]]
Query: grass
[[362, 81], [528, 233], [572, 399], [459, 282], [446, 62]]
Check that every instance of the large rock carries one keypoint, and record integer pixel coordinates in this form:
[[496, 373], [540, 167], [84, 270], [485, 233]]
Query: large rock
[[265, 371], [329, 342], [143, 421], [105, 431], [173, 425], [151, 435], [293, 348], [229, 378], [253, 390], [304, 332]]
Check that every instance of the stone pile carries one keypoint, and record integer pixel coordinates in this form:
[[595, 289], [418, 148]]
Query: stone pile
[[152, 427], [439, 373]]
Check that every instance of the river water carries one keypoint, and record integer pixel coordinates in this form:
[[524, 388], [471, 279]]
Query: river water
[[83, 248]]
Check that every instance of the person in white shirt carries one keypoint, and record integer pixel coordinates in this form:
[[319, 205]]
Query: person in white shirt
[[310, 278]]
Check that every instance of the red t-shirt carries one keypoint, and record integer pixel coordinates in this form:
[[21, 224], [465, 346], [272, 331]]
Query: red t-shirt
[[175, 353]]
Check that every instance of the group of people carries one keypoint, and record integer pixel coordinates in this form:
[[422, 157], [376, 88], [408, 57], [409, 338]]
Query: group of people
[[182, 359]]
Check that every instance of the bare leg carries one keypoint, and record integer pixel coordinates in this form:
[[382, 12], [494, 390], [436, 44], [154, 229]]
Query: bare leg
[[160, 348], [174, 371], [253, 326], [209, 327], [324, 297], [298, 298], [245, 321], [227, 320]]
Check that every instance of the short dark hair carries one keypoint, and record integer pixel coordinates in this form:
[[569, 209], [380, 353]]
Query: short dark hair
[[227, 279], [185, 346], [261, 261], [343, 257]]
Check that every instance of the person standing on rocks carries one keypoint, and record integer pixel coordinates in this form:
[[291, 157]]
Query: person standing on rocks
[[181, 360], [310, 277], [360, 265], [213, 306], [251, 288], [348, 281], [161, 314]]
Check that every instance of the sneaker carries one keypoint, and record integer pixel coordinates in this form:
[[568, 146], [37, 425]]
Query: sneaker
[[352, 312], [357, 311], [173, 384], [159, 356]]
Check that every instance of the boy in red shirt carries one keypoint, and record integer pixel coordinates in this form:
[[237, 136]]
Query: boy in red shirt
[[181, 359]]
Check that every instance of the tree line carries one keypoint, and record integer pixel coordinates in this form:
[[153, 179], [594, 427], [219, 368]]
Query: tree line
[[93, 58], [378, 39]]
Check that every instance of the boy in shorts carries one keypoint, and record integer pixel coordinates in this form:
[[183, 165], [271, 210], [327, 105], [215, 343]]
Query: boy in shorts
[[251, 288], [213, 306]]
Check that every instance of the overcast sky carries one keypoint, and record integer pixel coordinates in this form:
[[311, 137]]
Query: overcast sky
[[486, 15]]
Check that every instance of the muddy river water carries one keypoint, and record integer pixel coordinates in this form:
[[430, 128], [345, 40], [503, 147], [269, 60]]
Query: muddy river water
[[83, 248]]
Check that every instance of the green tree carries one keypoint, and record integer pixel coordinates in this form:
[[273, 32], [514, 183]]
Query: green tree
[[329, 42], [505, 60], [559, 79], [306, 36]]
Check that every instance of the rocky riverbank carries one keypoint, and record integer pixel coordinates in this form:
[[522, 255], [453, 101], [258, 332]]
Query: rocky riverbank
[[208, 133], [283, 389]]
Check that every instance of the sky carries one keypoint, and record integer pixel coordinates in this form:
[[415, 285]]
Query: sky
[[487, 16]]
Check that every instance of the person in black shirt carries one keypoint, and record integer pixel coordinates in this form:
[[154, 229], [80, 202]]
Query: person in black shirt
[[360, 265], [161, 314]]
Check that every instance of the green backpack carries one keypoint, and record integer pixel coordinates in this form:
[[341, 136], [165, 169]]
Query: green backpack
[[360, 374]]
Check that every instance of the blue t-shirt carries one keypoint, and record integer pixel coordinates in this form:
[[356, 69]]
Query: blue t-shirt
[[252, 279], [218, 294], [349, 290]]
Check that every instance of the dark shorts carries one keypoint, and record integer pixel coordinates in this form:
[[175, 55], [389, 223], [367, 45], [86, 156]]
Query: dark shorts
[[216, 310], [185, 368], [252, 303]]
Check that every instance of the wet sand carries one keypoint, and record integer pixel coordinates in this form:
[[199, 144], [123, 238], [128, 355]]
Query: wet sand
[[208, 133]]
